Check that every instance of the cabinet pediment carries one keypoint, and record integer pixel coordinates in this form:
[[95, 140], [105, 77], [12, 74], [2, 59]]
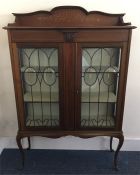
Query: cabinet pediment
[[68, 17]]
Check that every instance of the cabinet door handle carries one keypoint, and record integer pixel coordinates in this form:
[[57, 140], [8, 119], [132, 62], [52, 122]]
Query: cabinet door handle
[[77, 92]]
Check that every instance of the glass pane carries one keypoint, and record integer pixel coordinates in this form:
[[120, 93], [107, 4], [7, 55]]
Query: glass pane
[[100, 76], [39, 70]]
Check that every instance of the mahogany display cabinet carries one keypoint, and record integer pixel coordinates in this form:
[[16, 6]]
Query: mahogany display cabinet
[[70, 70]]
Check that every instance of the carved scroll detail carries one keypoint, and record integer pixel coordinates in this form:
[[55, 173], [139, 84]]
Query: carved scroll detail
[[69, 36]]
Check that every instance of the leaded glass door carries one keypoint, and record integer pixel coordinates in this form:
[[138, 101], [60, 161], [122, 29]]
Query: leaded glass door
[[99, 80], [40, 76]]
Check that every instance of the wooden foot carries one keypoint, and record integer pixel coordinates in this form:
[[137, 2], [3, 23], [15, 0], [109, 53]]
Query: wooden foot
[[111, 139], [121, 140], [18, 139], [29, 143]]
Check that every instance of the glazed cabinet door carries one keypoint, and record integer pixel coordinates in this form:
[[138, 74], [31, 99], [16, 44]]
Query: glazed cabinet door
[[97, 84], [41, 75]]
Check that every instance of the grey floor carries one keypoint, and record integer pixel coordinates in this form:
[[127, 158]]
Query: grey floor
[[68, 162]]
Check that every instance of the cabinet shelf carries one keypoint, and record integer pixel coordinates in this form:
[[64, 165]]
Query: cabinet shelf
[[39, 69], [97, 69], [41, 97], [45, 97], [96, 97], [100, 121], [100, 69], [38, 121]]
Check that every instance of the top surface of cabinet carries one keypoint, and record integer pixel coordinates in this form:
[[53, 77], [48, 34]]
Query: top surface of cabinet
[[68, 17]]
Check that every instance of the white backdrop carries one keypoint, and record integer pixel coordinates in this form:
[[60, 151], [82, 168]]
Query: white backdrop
[[8, 119]]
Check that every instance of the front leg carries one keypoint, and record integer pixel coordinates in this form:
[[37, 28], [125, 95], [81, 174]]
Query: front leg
[[29, 143], [111, 139], [121, 140], [18, 139]]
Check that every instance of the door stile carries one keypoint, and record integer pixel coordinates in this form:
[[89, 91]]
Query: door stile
[[78, 70], [69, 92]]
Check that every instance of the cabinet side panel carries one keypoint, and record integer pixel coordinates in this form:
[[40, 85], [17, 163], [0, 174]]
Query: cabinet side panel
[[123, 80], [13, 72], [17, 83]]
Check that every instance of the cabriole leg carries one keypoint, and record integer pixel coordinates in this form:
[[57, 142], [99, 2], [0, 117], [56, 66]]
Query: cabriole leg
[[121, 140], [29, 143], [18, 139], [111, 139]]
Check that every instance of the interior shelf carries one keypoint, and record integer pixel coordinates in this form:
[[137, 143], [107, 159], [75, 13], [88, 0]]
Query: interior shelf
[[94, 121], [45, 97], [39, 69], [38, 121], [41, 97], [100, 69], [98, 121], [97, 69], [98, 97]]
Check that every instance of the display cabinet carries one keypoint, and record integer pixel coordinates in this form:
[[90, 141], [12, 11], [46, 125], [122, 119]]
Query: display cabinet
[[70, 70]]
